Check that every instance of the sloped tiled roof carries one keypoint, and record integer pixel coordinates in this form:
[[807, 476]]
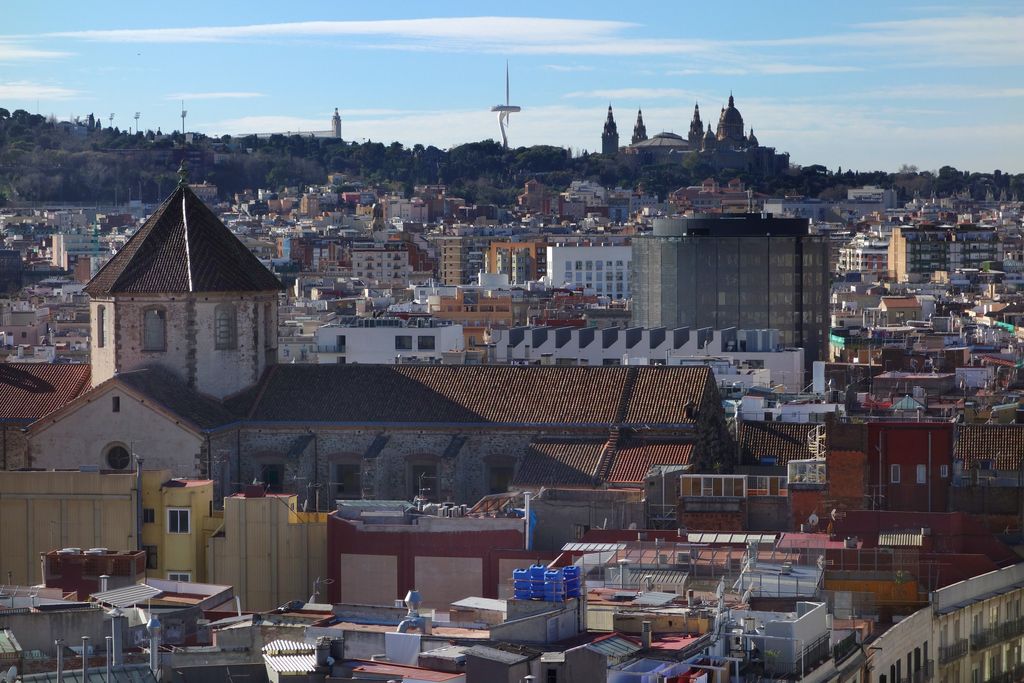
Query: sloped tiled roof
[[166, 389], [784, 440], [668, 394], [477, 394], [30, 390], [1002, 444], [560, 463], [183, 247], [634, 460]]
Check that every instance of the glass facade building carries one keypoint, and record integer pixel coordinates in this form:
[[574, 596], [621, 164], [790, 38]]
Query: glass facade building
[[751, 271]]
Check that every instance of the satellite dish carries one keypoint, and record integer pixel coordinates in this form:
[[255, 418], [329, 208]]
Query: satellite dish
[[834, 514], [813, 519], [12, 675]]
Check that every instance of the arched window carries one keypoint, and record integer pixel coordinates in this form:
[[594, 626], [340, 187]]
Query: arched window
[[154, 329], [225, 327], [118, 457]]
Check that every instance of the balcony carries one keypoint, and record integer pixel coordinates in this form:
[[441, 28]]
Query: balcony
[[997, 634], [844, 648], [951, 653], [330, 348], [1011, 676]]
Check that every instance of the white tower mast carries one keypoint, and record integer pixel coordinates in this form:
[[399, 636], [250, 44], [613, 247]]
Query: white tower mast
[[504, 110]]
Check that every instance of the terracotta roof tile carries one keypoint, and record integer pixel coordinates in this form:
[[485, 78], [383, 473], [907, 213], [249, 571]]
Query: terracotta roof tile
[[634, 460], [1002, 444], [560, 463], [183, 247], [784, 441], [475, 394], [669, 394], [29, 391]]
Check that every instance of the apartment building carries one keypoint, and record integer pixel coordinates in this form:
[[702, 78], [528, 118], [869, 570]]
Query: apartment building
[[51, 510], [601, 267], [387, 340]]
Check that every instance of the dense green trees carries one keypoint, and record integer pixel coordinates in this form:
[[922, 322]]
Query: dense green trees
[[41, 160]]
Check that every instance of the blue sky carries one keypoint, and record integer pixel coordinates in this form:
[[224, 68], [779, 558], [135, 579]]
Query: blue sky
[[865, 85]]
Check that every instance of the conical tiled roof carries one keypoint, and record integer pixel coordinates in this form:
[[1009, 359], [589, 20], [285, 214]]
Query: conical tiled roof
[[183, 247]]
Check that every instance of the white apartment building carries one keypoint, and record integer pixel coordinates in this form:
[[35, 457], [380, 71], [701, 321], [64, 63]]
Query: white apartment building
[[864, 254], [603, 268], [381, 265], [387, 340], [739, 358]]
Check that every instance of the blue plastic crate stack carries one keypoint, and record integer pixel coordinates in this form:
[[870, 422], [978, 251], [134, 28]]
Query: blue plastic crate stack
[[550, 585]]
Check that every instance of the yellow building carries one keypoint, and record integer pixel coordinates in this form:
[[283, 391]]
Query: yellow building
[[271, 553], [177, 518], [48, 510]]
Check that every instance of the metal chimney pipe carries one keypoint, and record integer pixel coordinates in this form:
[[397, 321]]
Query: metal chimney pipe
[[59, 644], [117, 622], [110, 645], [85, 658], [526, 497], [138, 501]]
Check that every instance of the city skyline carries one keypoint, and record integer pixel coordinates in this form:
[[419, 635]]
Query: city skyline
[[868, 87]]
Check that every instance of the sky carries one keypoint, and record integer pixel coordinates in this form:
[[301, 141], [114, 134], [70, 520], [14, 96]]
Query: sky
[[867, 85]]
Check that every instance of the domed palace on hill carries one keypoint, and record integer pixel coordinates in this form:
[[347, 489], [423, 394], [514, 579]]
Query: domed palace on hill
[[727, 147]]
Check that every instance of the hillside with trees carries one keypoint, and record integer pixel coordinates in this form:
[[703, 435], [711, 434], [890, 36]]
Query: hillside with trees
[[42, 160]]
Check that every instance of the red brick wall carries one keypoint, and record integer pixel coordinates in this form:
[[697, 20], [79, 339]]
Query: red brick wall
[[847, 471], [803, 502], [712, 521]]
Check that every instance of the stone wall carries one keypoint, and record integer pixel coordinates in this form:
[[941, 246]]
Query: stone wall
[[386, 456], [83, 436], [190, 349], [14, 451]]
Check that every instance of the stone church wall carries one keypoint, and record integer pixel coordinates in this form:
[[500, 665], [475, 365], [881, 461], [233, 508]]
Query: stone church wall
[[463, 458], [191, 351]]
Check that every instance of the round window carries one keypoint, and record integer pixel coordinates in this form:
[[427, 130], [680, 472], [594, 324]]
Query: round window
[[118, 458]]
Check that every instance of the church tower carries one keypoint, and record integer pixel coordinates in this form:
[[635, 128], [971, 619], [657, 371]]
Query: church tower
[[730, 125], [336, 124], [610, 136], [185, 294], [639, 129], [696, 134]]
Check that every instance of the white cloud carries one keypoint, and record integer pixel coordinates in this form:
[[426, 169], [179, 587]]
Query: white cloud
[[965, 40], [27, 90], [941, 91], [12, 52], [469, 30], [214, 95], [568, 68], [633, 93], [766, 69], [950, 40]]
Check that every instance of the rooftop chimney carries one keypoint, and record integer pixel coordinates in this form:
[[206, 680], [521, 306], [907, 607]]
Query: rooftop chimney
[[645, 635]]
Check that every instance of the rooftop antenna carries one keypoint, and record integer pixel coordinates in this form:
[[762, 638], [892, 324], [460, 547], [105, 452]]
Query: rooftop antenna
[[504, 110]]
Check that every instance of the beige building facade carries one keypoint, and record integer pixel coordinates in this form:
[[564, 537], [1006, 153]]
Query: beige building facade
[[50, 510], [269, 550]]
